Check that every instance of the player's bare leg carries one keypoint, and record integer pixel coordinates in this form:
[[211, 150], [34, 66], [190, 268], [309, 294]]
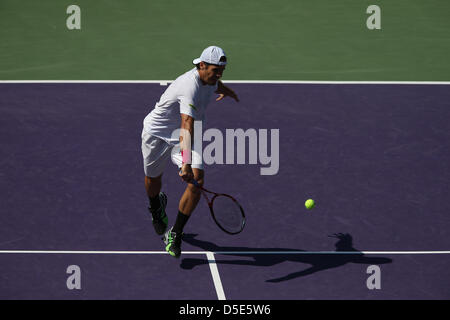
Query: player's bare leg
[[153, 186]]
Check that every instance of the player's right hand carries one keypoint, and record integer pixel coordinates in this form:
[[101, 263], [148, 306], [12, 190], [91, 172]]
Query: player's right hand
[[186, 172]]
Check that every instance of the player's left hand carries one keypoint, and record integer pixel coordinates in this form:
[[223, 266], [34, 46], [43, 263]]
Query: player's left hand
[[233, 95], [224, 91]]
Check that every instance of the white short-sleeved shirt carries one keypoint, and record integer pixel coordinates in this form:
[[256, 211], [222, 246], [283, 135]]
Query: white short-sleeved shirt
[[187, 95]]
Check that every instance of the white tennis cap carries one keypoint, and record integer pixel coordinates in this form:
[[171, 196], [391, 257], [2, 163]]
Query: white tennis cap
[[212, 55]]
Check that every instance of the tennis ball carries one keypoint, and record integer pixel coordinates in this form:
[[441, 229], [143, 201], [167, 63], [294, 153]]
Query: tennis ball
[[309, 204]]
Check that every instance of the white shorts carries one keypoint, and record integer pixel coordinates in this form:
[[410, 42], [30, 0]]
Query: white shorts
[[156, 153]]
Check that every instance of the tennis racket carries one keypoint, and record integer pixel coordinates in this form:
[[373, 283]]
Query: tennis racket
[[226, 212]]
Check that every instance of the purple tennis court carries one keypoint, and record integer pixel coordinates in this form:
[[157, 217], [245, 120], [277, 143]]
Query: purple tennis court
[[374, 157]]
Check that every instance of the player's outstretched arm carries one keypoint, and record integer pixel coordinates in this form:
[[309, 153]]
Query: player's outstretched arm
[[224, 91], [186, 134]]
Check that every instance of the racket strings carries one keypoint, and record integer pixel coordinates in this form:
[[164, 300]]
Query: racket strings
[[228, 213]]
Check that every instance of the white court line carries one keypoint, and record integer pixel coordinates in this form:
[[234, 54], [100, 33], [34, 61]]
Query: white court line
[[215, 276], [217, 252], [329, 252], [212, 261], [209, 255], [91, 252], [165, 82]]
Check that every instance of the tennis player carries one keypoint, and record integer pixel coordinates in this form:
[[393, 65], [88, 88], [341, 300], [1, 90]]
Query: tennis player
[[183, 102]]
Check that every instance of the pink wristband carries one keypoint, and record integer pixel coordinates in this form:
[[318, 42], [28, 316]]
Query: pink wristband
[[186, 156]]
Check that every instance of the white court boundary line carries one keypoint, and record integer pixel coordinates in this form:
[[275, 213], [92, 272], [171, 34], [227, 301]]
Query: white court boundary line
[[209, 255], [218, 252], [165, 82], [212, 261], [215, 275]]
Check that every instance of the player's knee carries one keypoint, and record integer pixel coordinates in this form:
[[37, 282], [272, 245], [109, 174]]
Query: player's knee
[[153, 179]]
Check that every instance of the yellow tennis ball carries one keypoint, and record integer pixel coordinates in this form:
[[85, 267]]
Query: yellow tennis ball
[[309, 204]]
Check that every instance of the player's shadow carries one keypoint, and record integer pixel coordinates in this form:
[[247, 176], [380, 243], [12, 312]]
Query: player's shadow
[[318, 261]]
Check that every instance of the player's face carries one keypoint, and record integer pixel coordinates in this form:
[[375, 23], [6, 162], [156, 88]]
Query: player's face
[[211, 73]]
